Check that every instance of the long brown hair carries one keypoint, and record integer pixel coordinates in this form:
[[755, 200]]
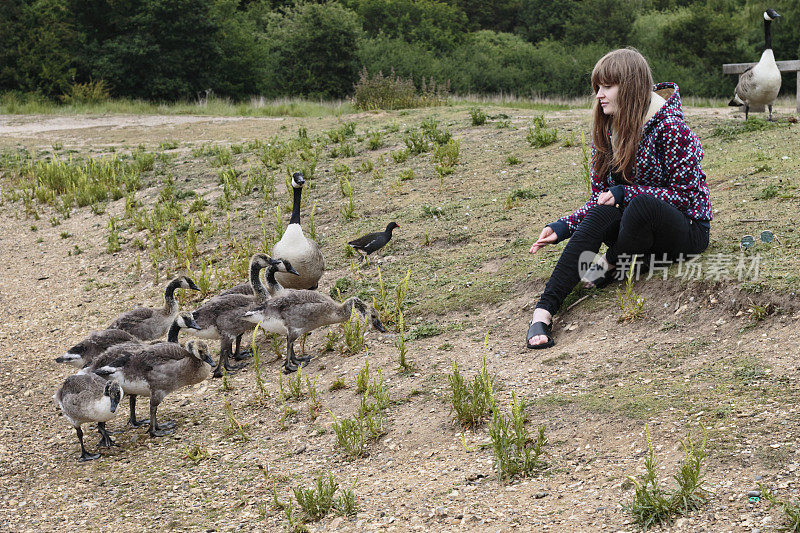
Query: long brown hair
[[628, 69]]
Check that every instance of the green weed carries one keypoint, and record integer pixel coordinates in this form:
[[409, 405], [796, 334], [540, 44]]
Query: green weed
[[630, 303], [317, 500], [789, 508], [477, 116], [516, 452], [472, 403], [539, 135], [653, 504]]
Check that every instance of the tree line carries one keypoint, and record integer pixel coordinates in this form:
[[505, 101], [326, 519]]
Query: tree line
[[167, 50]]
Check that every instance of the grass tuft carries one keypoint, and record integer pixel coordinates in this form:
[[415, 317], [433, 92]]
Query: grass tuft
[[653, 504], [517, 454]]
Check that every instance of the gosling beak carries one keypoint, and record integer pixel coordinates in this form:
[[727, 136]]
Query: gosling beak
[[114, 404]]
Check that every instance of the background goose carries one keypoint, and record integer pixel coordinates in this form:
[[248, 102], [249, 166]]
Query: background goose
[[295, 247], [759, 85], [156, 370], [89, 398], [222, 317], [96, 343], [147, 323], [372, 242], [296, 312]]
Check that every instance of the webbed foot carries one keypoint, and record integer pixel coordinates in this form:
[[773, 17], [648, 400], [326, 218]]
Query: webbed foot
[[88, 457], [160, 432]]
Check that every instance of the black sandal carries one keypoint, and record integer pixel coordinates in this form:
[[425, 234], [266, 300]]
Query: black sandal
[[597, 277], [539, 328]]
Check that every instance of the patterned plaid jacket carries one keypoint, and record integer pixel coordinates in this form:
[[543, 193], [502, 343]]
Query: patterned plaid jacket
[[667, 167]]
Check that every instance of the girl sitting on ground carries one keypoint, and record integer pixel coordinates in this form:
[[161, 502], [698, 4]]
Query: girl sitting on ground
[[649, 195]]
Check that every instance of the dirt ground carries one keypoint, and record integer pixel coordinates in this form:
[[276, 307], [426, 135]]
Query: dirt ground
[[699, 356]]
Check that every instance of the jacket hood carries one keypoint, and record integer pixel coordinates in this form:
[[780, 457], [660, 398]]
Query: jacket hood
[[672, 108]]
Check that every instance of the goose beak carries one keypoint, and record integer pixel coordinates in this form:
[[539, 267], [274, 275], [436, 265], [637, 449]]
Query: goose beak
[[377, 325], [114, 404], [207, 359], [290, 269], [193, 285], [192, 324]]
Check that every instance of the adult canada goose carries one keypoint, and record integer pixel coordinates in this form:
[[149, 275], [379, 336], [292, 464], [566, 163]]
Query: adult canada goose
[[759, 85], [184, 320], [96, 343], [155, 370], [89, 398], [221, 317], [372, 242], [147, 323], [295, 247], [296, 312]]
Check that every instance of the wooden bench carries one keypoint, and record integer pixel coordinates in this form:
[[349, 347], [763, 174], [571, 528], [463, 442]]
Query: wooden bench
[[783, 66]]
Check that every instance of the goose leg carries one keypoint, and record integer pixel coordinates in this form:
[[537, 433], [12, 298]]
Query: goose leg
[[85, 456], [105, 441], [770, 113], [238, 355], [290, 365], [304, 358], [227, 347], [132, 420], [746, 111], [155, 429]]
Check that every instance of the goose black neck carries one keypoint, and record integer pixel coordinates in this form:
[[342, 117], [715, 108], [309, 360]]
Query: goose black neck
[[255, 280], [298, 194], [169, 292], [172, 334], [767, 34], [272, 283]]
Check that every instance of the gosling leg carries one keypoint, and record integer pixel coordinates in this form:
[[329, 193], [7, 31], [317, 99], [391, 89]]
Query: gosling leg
[[132, 420], [239, 355], [155, 430], [85, 456], [105, 441]]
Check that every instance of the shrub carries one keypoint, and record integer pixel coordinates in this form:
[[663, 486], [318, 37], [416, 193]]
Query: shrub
[[393, 92], [86, 93], [477, 115]]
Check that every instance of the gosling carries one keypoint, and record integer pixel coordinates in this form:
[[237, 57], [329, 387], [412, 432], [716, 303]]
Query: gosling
[[89, 398], [294, 312], [157, 370], [96, 343], [148, 323]]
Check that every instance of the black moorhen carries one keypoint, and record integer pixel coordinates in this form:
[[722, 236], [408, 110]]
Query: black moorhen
[[372, 242]]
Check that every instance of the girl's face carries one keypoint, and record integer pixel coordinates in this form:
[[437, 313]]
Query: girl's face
[[607, 97]]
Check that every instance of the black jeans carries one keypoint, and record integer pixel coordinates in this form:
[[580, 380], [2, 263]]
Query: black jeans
[[647, 225]]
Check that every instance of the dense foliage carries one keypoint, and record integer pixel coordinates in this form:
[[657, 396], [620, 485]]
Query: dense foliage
[[178, 49]]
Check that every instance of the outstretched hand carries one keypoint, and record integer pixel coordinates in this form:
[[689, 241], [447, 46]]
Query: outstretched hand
[[547, 236]]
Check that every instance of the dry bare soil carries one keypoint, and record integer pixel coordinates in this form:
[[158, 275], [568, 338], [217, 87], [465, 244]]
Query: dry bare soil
[[721, 353]]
